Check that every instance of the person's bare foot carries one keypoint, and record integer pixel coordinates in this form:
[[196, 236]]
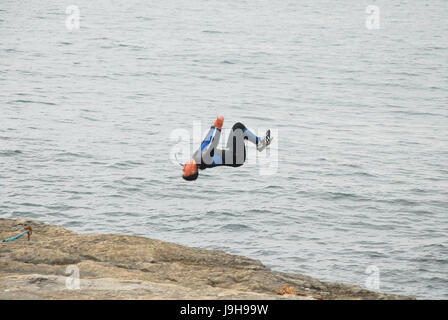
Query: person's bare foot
[[219, 122]]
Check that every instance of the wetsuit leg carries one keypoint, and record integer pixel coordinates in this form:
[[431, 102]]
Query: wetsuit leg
[[235, 155], [204, 156], [247, 134]]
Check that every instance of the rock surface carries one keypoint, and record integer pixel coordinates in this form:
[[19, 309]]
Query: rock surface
[[130, 267]]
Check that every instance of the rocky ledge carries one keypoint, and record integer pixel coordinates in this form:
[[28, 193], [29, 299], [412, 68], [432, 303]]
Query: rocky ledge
[[129, 267]]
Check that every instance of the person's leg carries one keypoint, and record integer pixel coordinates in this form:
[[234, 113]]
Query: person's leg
[[204, 155], [261, 143], [235, 155], [240, 128]]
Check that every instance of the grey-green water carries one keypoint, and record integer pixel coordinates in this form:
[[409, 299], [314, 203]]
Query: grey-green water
[[362, 120]]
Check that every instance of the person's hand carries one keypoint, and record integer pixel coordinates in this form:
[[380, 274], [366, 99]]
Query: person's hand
[[219, 122]]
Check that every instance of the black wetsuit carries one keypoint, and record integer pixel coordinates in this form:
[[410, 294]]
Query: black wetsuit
[[209, 156]]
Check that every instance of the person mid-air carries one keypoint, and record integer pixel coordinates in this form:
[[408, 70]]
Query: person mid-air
[[209, 156]]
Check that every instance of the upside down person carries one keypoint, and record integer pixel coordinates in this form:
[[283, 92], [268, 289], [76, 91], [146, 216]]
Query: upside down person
[[209, 156]]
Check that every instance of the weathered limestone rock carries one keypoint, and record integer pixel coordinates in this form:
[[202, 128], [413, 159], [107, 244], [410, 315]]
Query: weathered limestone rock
[[129, 267]]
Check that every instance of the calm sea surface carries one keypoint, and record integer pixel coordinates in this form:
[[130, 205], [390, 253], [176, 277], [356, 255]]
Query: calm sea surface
[[362, 118]]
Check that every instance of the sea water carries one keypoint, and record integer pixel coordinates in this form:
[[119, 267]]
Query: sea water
[[356, 91]]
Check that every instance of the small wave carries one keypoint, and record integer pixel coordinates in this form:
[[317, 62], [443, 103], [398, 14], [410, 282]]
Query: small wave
[[371, 226], [403, 202], [435, 246], [132, 46], [125, 164], [417, 114], [431, 261], [62, 207], [31, 101], [235, 227], [11, 50], [351, 165], [74, 155], [344, 195], [120, 214], [29, 204], [89, 118], [272, 187], [258, 211], [144, 18], [212, 31], [9, 153], [75, 192], [355, 174], [363, 174]]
